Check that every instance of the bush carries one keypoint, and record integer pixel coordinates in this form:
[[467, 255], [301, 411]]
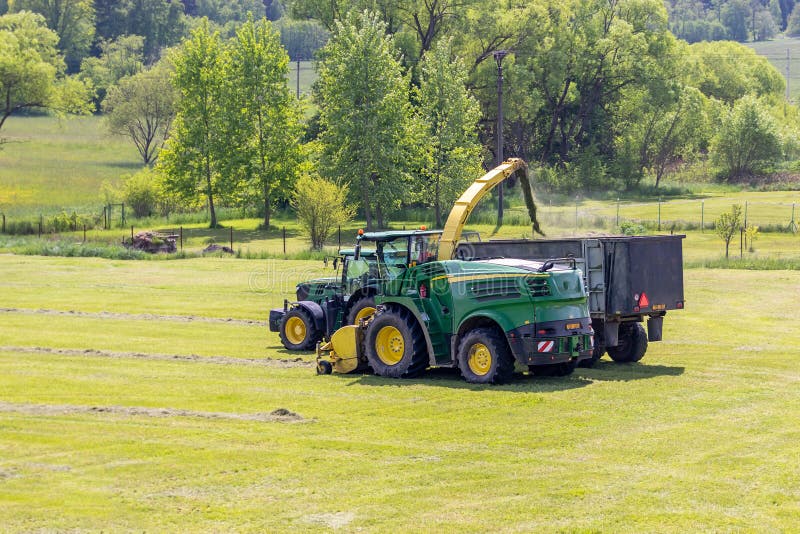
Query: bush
[[747, 141], [320, 206], [142, 192]]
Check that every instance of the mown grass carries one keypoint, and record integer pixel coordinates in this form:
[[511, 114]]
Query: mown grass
[[702, 435]]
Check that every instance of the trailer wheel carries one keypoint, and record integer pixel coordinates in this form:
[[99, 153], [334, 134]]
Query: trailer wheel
[[298, 331], [395, 344], [632, 344], [363, 308], [485, 358]]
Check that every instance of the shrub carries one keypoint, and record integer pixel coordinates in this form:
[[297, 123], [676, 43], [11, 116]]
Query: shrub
[[320, 206], [141, 191], [747, 140]]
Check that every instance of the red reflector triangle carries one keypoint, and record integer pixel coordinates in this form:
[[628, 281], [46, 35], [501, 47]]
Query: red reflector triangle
[[643, 301]]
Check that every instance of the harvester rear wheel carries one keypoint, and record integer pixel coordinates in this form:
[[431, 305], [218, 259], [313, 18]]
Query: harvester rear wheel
[[363, 308], [632, 344], [298, 331], [395, 344], [485, 358]]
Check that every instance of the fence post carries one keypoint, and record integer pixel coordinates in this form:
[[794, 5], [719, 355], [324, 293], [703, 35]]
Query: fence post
[[340, 235], [84, 233], [284, 240], [181, 237], [231, 238], [40, 229], [123, 213], [702, 216], [131, 234], [741, 242]]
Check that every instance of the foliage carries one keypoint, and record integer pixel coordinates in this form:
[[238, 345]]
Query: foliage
[[728, 224], [192, 157], [142, 192], [118, 58], [451, 115], [747, 139], [302, 38], [72, 20], [142, 107], [160, 22], [321, 207], [369, 135], [31, 70], [261, 117], [793, 27], [631, 228]]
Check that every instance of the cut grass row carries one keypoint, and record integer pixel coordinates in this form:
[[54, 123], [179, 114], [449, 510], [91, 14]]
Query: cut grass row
[[702, 435]]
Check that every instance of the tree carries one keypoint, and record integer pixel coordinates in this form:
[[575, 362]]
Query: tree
[[728, 224], [72, 20], [32, 70], [262, 117], [735, 15], [191, 157], [793, 25], [451, 115], [368, 131], [142, 107], [747, 139], [119, 58], [321, 207]]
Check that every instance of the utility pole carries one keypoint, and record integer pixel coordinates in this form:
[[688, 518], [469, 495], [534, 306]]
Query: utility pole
[[498, 57]]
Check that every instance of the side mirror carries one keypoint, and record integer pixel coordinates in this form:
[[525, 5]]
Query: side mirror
[[546, 266]]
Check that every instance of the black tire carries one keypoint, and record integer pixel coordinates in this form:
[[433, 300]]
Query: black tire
[[366, 301], [597, 353], [324, 367], [484, 357], [553, 369], [395, 344], [299, 337], [632, 344]]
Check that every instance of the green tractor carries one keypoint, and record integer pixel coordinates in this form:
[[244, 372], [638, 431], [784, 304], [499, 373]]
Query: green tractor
[[303, 323], [484, 317]]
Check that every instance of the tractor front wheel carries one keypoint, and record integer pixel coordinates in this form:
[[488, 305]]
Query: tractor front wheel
[[363, 308], [485, 358], [298, 331], [632, 344], [395, 344]]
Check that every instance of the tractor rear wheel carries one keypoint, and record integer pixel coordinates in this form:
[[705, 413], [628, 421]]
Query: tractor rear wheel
[[395, 344], [485, 358], [363, 308], [632, 344], [298, 331]]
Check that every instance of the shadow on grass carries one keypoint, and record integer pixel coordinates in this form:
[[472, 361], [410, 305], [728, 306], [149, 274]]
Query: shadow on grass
[[451, 378], [607, 371]]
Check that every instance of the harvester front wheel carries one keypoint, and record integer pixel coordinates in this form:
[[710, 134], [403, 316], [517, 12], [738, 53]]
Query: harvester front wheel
[[632, 344], [298, 331], [363, 308], [395, 345], [485, 358]]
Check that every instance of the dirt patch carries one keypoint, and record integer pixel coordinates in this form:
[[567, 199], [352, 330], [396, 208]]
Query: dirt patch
[[217, 360], [280, 415], [134, 316]]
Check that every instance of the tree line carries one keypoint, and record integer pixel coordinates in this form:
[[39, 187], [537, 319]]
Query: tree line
[[599, 94]]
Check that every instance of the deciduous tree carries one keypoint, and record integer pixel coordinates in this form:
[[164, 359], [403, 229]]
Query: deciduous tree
[[321, 206], [142, 107], [192, 156], [728, 224]]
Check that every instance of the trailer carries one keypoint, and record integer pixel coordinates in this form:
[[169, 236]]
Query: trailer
[[628, 279]]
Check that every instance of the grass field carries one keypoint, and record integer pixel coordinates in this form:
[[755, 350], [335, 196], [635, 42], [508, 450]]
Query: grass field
[[775, 51], [140, 396]]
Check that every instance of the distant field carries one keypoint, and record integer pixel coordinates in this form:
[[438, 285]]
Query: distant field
[[308, 75], [50, 164], [137, 396], [775, 51]]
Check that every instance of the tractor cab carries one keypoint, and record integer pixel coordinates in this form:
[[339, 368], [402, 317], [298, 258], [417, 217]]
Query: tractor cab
[[396, 251]]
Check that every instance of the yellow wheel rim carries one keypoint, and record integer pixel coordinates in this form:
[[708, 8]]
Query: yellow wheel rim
[[295, 330], [389, 345], [480, 359], [363, 313]]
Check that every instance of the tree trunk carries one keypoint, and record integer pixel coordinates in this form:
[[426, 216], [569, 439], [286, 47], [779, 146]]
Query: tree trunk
[[379, 216], [267, 212], [212, 212]]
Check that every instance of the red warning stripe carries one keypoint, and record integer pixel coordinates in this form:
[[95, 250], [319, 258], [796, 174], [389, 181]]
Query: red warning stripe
[[546, 346]]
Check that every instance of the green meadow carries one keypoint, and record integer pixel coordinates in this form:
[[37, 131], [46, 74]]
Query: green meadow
[[150, 396]]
